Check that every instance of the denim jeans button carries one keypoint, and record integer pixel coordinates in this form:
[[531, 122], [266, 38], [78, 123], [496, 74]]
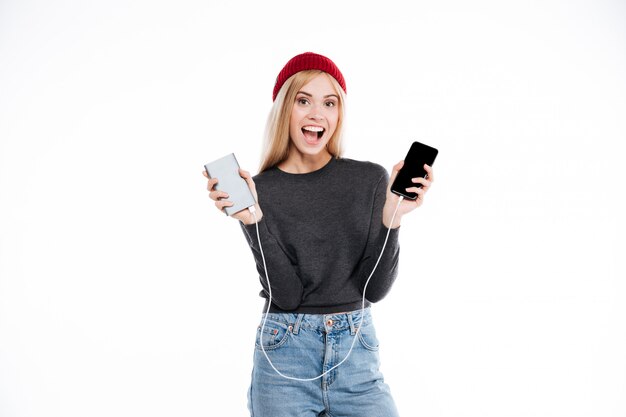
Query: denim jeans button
[[329, 322]]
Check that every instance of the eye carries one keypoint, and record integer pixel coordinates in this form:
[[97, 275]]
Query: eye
[[302, 100], [330, 103]]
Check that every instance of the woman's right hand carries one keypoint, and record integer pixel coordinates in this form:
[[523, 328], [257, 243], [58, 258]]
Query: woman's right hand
[[220, 198]]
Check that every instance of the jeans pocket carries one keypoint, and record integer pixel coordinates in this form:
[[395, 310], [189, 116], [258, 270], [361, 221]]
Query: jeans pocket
[[367, 337], [275, 334]]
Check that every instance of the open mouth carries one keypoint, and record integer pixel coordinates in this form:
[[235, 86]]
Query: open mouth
[[313, 133]]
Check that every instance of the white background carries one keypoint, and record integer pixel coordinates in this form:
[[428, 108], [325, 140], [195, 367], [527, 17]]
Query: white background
[[124, 292]]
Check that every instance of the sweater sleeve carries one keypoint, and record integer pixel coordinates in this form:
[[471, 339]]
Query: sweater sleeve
[[387, 269], [285, 282]]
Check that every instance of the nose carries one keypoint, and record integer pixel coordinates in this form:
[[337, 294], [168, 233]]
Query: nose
[[316, 113]]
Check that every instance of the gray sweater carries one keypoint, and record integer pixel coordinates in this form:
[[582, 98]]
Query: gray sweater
[[322, 233]]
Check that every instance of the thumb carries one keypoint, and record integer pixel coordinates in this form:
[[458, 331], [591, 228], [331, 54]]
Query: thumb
[[394, 172], [248, 178]]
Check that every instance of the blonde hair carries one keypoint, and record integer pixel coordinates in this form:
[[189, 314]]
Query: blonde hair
[[277, 141]]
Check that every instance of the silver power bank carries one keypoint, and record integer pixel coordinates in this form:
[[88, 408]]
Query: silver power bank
[[226, 170]]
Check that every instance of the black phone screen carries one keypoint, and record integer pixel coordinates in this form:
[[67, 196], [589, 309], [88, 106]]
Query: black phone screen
[[418, 155]]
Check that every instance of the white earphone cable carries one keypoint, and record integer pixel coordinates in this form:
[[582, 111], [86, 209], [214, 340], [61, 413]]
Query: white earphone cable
[[269, 303]]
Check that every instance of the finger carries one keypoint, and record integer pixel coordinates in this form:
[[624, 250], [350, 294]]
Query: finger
[[211, 184], [246, 176], [394, 172], [223, 203], [429, 172], [218, 195], [420, 195], [416, 190], [205, 174], [421, 180]]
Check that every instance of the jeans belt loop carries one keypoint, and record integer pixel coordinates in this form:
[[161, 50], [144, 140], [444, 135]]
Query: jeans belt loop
[[296, 326], [352, 327]]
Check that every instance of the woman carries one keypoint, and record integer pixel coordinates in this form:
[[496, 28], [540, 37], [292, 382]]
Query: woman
[[322, 222]]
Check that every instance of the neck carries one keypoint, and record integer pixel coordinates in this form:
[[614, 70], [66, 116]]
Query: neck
[[297, 163]]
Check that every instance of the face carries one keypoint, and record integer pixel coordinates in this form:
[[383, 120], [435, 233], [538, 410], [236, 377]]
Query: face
[[314, 116]]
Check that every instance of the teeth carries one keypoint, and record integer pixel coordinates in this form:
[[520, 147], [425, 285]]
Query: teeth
[[313, 128]]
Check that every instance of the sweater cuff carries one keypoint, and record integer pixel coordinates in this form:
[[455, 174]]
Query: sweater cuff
[[393, 239], [250, 231], [393, 233]]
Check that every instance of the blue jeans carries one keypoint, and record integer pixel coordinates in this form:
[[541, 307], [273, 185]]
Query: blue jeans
[[306, 345]]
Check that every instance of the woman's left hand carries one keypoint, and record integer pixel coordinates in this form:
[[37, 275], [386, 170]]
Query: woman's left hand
[[407, 205]]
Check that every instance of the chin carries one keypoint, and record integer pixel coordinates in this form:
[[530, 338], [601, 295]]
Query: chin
[[314, 149]]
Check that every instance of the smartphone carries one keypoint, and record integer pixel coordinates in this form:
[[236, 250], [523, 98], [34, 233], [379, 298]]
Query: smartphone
[[418, 155], [226, 170]]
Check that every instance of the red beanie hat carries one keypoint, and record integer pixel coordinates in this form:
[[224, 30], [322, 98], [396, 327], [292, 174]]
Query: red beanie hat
[[308, 61]]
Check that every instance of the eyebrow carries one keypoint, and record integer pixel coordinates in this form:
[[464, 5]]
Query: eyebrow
[[311, 95]]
